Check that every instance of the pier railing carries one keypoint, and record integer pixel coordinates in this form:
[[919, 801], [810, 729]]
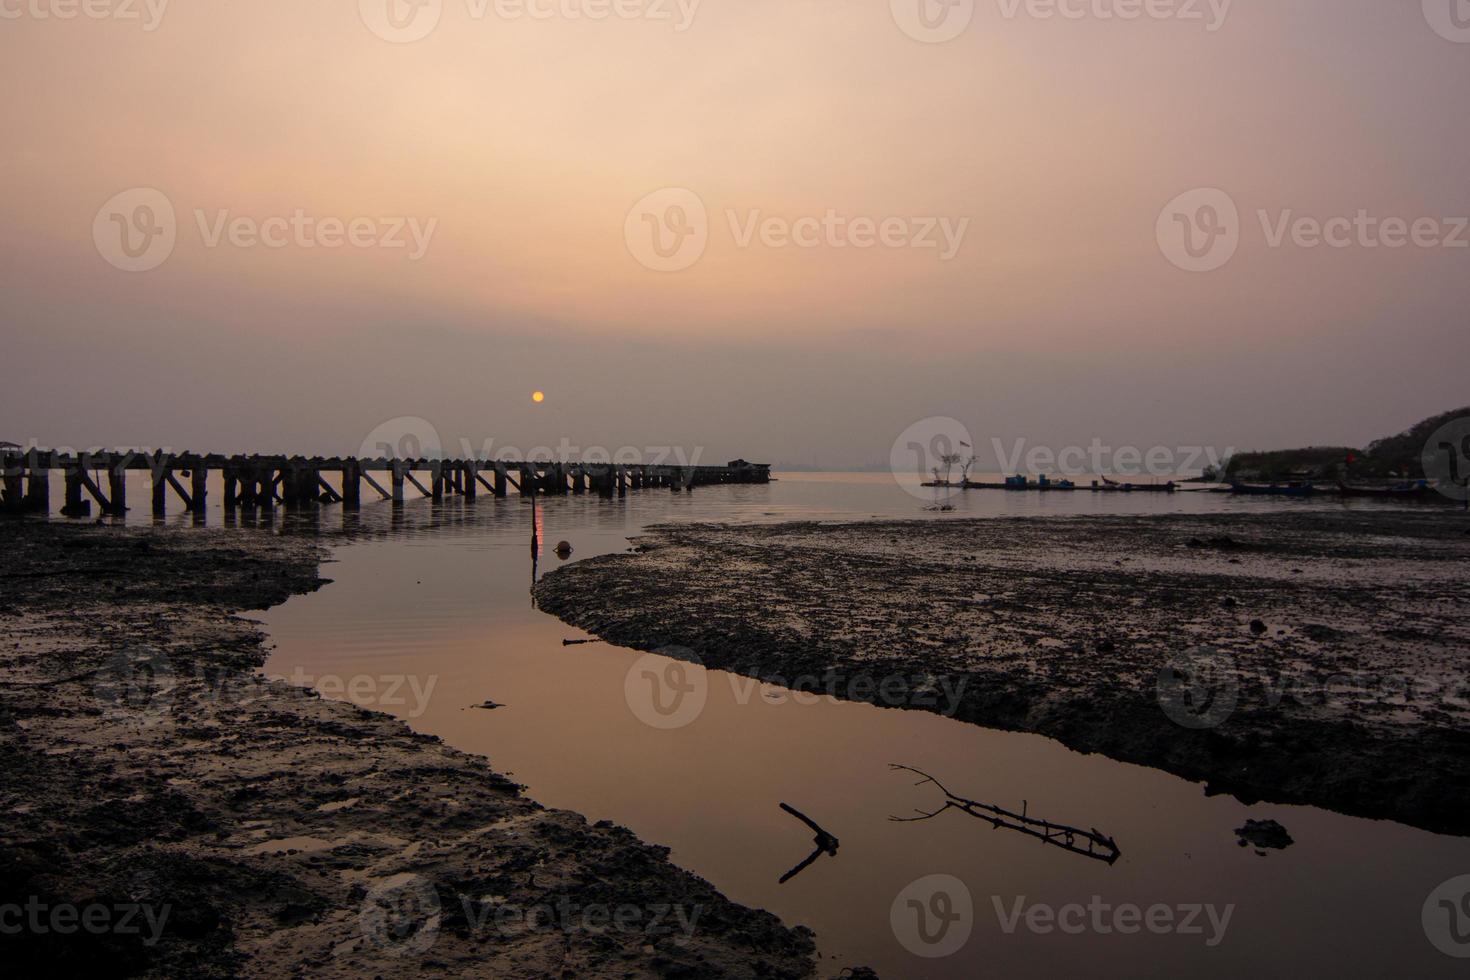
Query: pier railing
[[267, 482]]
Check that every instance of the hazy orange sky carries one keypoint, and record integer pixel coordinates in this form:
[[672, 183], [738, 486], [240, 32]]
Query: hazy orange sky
[[526, 141]]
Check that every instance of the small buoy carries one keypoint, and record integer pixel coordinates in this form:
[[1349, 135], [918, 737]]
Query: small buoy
[[563, 549]]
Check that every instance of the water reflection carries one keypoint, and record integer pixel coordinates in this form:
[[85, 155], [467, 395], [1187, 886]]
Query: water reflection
[[436, 593], [824, 843], [1099, 847]]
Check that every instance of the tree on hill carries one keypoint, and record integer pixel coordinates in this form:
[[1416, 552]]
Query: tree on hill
[[1404, 453], [1400, 456]]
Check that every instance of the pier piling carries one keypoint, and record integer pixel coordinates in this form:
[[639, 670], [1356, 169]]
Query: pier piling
[[256, 483]]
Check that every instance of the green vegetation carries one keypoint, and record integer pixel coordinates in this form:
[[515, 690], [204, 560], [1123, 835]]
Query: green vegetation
[[1397, 456]]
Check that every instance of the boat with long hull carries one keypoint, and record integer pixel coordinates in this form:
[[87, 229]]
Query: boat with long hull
[[1418, 490], [1274, 490]]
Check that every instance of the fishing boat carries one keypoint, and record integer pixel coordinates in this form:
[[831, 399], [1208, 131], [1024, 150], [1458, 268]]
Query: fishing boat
[[1113, 486], [1413, 490], [1274, 490]]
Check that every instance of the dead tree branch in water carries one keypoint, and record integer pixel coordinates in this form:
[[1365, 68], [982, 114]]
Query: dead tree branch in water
[[825, 843], [1099, 846]]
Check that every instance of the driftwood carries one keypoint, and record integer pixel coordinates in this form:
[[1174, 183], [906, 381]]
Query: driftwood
[[1099, 846], [825, 843]]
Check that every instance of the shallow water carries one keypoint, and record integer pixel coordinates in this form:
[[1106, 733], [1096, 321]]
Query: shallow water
[[430, 614]]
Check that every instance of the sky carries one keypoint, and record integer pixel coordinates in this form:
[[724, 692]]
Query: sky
[[785, 230]]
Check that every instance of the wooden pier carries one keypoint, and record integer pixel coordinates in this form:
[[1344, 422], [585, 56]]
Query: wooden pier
[[293, 482]]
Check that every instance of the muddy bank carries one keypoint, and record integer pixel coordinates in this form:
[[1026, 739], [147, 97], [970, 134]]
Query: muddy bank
[[1301, 657], [170, 814]]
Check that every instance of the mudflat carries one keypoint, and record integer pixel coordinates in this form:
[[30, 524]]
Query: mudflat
[[1311, 657], [209, 822]]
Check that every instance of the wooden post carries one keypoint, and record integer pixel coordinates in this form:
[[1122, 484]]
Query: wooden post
[[38, 488], [622, 478], [198, 486], [288, 486], [13, 484], [399, 467], [265, 494], [437, 474], [75, 506], [352, 485], [502, 481], [117, 485], [250, 486], [470, 477], [297, 485], [232, 484], [160, 488]]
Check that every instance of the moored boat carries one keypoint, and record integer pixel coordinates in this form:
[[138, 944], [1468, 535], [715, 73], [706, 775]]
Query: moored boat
[[1413, 490], [1274, 490]]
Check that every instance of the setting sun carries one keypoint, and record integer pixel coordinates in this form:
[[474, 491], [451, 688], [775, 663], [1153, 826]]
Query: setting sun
[[1036, 420]]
